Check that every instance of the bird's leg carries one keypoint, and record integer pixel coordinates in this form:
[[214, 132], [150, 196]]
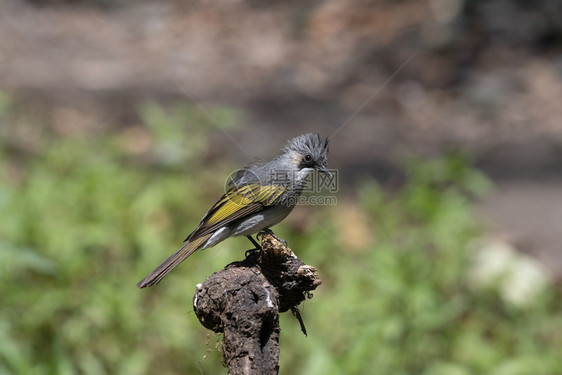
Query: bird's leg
[[270, 232], [255, 250], [257, 245]]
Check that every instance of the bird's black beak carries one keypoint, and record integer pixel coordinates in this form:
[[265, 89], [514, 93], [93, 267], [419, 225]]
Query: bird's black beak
[[324, 170]]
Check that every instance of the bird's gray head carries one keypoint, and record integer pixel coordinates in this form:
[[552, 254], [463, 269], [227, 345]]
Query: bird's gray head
[[308, 151]]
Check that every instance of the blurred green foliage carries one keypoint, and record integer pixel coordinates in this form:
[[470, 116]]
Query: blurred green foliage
[[82, 220]]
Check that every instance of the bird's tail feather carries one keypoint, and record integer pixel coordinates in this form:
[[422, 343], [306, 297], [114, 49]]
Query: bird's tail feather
[[169, 264]]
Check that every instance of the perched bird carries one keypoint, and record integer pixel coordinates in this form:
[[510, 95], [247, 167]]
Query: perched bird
[[257, 197]]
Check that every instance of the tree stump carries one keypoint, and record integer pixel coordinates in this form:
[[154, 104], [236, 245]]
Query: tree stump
[[244, 301]]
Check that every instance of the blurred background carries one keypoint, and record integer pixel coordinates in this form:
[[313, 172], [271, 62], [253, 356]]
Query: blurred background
[[121, 119]]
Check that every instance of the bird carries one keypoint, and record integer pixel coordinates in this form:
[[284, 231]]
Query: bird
[[257, 197]]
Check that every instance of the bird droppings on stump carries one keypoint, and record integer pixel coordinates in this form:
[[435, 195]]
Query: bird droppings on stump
[[244, 301]]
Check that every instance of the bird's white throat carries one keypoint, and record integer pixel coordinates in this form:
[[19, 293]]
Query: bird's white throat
[[303, 174]]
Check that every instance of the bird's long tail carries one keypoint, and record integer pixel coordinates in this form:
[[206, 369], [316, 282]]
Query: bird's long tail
[[169, 264]]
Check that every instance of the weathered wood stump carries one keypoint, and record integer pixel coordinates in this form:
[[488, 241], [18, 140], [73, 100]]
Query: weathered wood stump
[[244, 301]]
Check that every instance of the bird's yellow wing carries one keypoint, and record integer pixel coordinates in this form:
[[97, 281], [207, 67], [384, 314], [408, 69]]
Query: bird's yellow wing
[[236, 203]]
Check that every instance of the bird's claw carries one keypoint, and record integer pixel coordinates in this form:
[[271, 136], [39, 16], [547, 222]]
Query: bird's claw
[[270, 232], [251, 252]]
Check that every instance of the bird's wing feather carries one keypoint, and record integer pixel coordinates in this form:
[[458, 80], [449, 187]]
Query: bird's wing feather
[[236, 203]]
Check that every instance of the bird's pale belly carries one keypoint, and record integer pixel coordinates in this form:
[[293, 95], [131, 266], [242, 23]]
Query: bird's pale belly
[[251, 225]]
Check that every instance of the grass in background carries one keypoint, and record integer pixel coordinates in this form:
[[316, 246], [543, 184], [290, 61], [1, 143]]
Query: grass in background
[[85, 218], [403, 303]]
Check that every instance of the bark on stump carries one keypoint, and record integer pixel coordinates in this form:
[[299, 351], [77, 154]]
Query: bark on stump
[[244, 301]]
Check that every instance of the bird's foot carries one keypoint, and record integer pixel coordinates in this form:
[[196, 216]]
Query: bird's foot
[[252, 252], [270, 232], [255, 250]]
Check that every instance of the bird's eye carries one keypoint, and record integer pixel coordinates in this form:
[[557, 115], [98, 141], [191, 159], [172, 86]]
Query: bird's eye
[[308, 158]]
